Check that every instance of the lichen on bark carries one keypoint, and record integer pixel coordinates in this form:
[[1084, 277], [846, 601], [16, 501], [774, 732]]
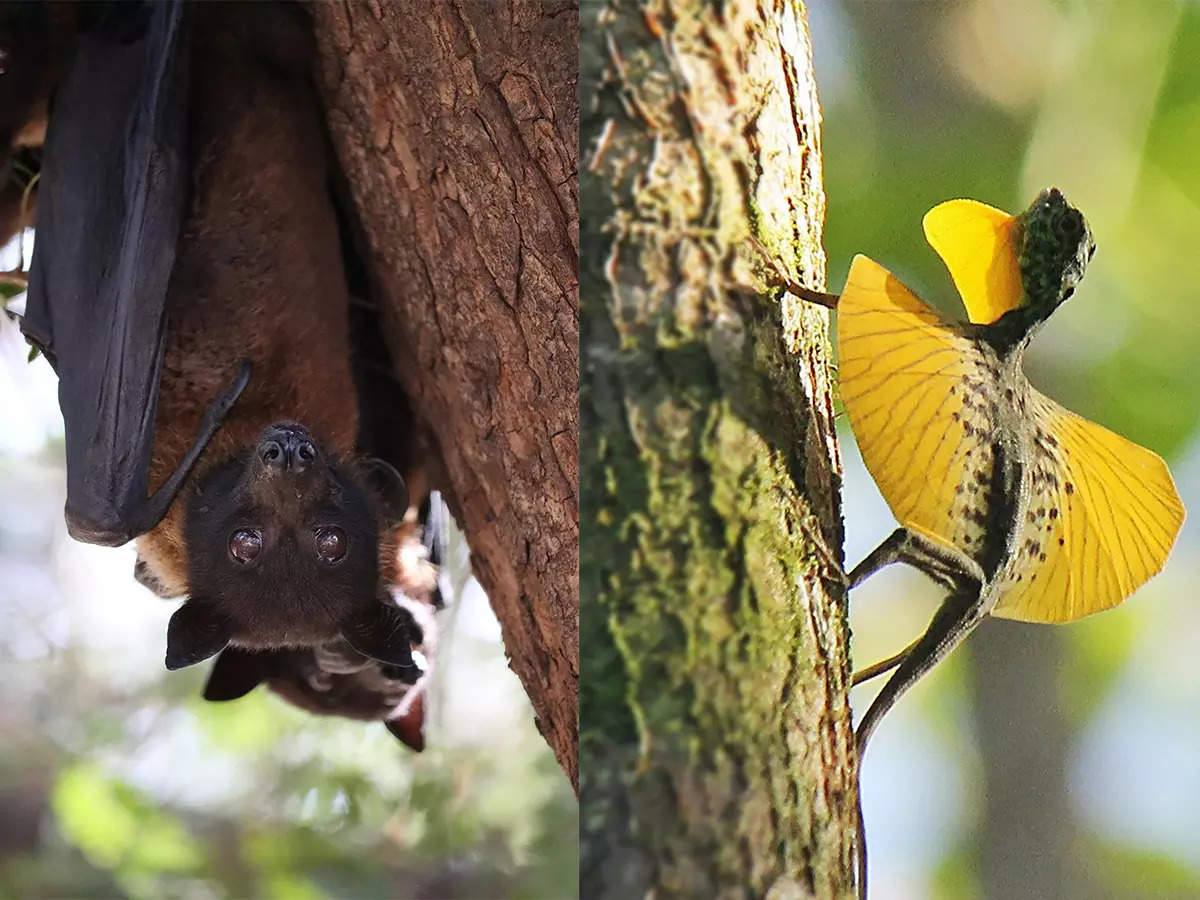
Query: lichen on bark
[[716, 746]]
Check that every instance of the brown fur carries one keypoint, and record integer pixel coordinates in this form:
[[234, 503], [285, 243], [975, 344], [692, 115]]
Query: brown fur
[[34, 41], [259, 276], [258, 272]]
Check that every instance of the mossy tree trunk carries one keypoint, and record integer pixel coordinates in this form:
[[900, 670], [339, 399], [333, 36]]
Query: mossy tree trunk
[[717, 747], [456, 127]]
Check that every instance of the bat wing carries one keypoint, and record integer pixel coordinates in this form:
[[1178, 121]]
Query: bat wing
[[111, 201]]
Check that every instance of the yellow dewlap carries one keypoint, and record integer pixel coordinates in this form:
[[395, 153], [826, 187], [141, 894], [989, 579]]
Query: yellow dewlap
[[978, 244]]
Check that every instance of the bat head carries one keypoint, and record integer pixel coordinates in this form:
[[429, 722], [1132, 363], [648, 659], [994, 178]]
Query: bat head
[[283, 551], [1055, 250]]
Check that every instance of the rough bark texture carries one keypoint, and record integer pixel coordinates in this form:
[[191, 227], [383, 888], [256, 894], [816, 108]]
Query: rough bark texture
[[717, 748], [456, 127]]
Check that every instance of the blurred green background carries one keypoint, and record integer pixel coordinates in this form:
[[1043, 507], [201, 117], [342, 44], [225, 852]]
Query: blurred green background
[[1039, 761], [118, 780]]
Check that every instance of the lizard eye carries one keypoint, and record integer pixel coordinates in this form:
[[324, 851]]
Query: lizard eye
[[1070, 226]]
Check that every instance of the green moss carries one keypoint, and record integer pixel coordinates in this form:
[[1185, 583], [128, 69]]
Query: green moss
[[715, 734]]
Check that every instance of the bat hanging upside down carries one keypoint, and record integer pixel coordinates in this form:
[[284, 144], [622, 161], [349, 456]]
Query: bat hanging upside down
[[189, 287]]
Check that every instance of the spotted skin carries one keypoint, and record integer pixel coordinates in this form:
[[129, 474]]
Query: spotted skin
[[925, 401], [1017, 506]]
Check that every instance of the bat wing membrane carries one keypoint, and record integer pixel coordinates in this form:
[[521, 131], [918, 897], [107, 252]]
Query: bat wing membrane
[[111, 201]]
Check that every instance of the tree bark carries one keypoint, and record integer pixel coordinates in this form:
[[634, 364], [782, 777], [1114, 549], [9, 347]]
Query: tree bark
[[717, 747], [456, 127]]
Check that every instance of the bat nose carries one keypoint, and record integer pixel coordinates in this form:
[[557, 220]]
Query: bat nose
[[284, 449]]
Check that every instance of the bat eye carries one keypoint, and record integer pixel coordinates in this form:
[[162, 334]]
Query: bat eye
[[245, 544], [331, 544]]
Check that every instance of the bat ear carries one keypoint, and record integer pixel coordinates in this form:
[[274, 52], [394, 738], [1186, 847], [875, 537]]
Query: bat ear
[[383, 632], [237, 672], [195, 633], [389, 489], [409, 727]]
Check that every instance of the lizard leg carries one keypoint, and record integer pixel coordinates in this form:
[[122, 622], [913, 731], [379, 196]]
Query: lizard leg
[[884, 665], [821, 298], [962, 610], [958, 615], [944, 564], [954, 620]]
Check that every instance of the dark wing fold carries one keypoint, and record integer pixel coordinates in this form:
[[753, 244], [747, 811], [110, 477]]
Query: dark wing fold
[[111, 201]]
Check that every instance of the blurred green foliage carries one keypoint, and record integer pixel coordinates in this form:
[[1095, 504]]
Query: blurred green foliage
[[325, 811], [118, 780], [994, 100]]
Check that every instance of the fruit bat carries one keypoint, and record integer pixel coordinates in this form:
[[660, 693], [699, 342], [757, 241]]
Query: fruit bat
[[189, 287]]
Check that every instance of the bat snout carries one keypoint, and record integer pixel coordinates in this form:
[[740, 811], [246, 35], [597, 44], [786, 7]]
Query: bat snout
[[287, 448]]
